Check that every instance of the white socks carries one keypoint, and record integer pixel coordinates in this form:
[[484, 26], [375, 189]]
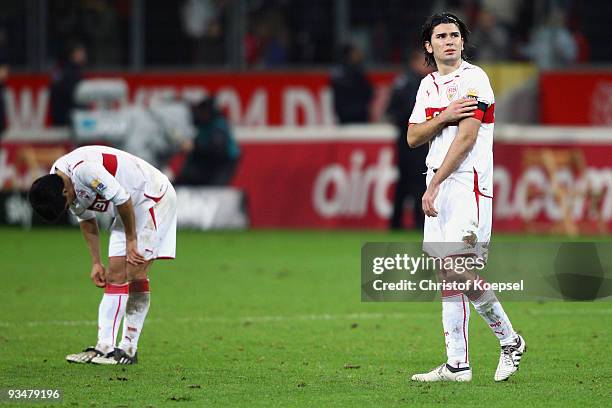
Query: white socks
[[455, 319], [136, 313], [493, 313], [110, 313]]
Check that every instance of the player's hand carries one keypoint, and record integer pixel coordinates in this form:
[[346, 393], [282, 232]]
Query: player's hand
[[98, 275], [459, 109], [428, 200], [133, 257]]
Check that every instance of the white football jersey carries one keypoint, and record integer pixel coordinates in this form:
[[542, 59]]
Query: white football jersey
[[435, 93], [104, 177]]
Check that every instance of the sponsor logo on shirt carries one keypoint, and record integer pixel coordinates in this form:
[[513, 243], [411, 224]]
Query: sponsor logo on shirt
[[431, 113], [472, 93]]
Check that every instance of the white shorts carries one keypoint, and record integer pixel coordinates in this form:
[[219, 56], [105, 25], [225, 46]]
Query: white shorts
[[155, 229], [463, 224]]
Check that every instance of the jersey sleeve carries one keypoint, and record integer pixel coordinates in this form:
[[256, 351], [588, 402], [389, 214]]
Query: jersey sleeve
[[477, 86], [418, 112], [95, 176]]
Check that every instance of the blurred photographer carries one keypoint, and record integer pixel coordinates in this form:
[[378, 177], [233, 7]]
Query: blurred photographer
[[213, 154]]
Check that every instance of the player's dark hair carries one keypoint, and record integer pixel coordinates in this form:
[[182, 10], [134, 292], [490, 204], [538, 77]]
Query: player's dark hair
[[47, 198], [434, 21]]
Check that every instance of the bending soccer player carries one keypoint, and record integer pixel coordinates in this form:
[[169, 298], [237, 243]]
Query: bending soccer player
[[454, 114], [95, 179]]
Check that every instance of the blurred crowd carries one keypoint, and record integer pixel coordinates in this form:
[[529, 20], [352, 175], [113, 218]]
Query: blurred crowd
[[277, 33]]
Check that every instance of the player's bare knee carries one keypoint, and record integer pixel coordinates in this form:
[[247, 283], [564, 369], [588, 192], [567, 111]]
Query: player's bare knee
[[137, 272], [116, 272]]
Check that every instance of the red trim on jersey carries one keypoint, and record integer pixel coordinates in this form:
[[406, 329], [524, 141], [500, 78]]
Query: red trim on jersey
[[430, 113], [113, 289], [156, 199], [434, 81], [476, 187], [75, 166], [109, 161], [448, 82], [486, 117], [152, 212], [489, 115], [478, 193], [478, 114], [141, 285]]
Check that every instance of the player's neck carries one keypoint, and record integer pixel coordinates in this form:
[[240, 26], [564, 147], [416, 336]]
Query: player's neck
[[444, 69]]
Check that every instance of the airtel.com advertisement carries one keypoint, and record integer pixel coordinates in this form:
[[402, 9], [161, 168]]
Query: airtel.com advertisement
[[314, 182], [350, 184]]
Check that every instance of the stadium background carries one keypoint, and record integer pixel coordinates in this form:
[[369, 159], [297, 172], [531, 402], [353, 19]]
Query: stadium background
[[269, 64]]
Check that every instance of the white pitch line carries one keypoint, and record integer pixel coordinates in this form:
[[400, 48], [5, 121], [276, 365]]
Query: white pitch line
[[310, 317]]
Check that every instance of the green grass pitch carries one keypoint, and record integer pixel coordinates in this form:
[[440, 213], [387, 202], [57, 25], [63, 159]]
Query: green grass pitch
[[272, 318]]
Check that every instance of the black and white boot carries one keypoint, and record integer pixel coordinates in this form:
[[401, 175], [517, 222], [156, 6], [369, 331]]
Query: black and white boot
[[510, 358], [115, 357]]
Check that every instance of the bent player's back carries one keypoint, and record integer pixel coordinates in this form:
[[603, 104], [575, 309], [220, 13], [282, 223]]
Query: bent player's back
[[133, 173]]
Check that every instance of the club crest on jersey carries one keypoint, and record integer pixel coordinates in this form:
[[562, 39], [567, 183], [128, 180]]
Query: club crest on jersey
[[83, 194], [98, 186], [451, 91]]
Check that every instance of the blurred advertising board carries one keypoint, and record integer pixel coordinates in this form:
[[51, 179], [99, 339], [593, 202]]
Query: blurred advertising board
[[344, 177], [248, 99], [579, 98], [287, 98], [22, 162]]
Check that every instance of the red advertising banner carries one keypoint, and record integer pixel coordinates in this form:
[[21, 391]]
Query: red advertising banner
[[345, 178], [318, 185], [545, 187], [576, 98], [301, 99], [248, 99]]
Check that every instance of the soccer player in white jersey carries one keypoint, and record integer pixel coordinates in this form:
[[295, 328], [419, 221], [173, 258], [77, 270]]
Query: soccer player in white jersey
[[454, 114], [98, 179]]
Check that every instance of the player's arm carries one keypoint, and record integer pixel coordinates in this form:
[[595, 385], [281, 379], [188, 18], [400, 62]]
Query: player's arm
[[89, 229], [106, 185], [457, 152], [126, 212], [421, 133]]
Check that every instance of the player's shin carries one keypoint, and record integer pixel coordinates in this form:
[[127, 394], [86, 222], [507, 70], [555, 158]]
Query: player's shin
[[455, 319], [488, 306], [111, 311], [136, 313]]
